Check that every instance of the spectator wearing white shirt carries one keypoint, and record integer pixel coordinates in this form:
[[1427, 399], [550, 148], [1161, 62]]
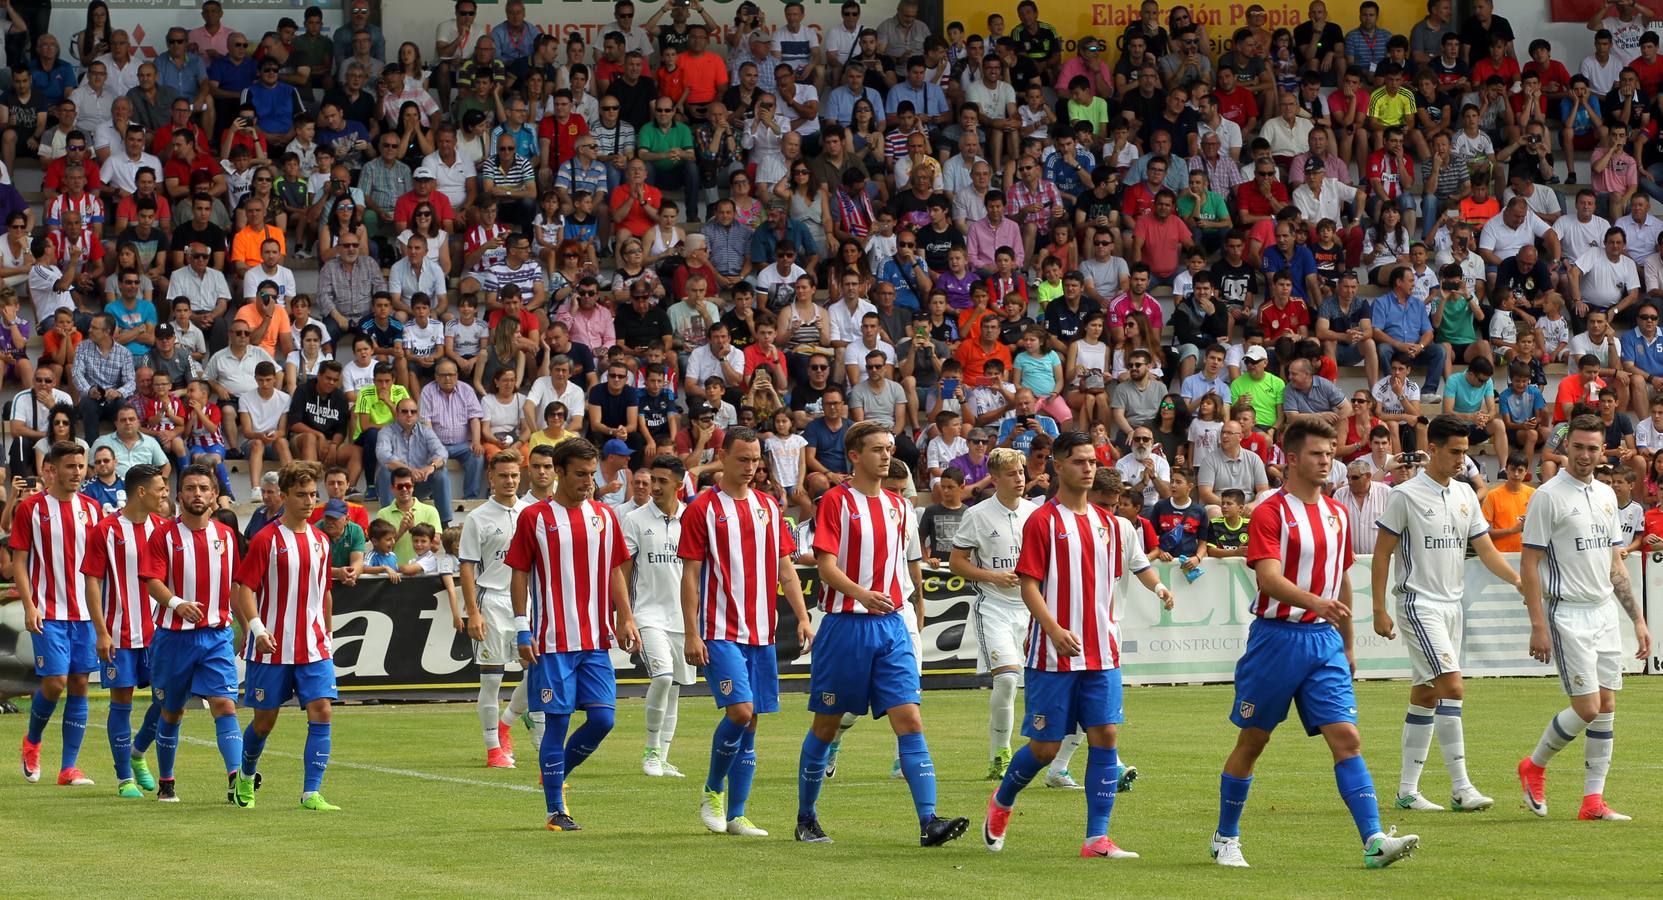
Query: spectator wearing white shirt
[[271, 269], [1503, 235], [1640, 227], [1543, 200], [1582, 230], [870, 341], [1604, 278], [718, 358], [414, 274], [457, 178], [121, 170], [261, 418]]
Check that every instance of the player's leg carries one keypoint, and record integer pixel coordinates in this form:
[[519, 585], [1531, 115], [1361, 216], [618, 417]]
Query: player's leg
[[118, 726], [1057, 774], [895, 689], [266, 687], [488, 707], [51, 648], [1000, 635], [1425, 630], [762, 670], [1574, 642], [493, 652], [849, 721], [596, 686], [315, 687], [657, 654], [83, 660], [143, 739], [1001, 718], [555, 697], [1598, 740], [1101, 710], [681, 673], [1049, 712], [838, 675], [730, 688], [1267, 674]]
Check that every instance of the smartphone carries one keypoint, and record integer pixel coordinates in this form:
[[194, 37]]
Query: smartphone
[[949, 387]]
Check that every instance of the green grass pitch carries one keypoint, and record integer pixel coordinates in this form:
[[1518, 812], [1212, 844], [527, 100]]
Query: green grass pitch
[[423, 817]]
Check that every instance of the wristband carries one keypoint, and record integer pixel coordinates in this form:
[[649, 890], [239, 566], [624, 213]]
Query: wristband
[[1161, 586], [522, 638], [176, 602], [522, 623], [257, 627]]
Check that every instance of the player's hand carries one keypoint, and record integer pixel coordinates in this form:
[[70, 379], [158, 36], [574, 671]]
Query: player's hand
[[106, 648], [476, 628], [1642, 634], [190, 612], [1383, 625], [875, 601], [1066, 642], [265, 644], [1166, 597], [1006, 580], [696, 652], [528, 656], [33, 620], [629, 638], [1332, 610], [458, 624], [805, 637], [1541, 649]]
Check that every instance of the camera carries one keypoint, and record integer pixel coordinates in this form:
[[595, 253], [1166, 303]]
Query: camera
[[1410, 458]]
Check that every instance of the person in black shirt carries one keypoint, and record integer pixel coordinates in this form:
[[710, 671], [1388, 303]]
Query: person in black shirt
[[878, 68], [1148, 26], [1527, 276], [1199, 321], [1065, 317], [657, 412], [318, 422], [1237, 281], [639, 323], [938, 238], [741, 318], [1148, 100], [1480, 28], [1023, 70], [634, 91], [1320, 45], [198, 230]]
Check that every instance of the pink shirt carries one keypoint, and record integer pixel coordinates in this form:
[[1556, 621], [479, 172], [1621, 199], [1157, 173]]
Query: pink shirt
[[219, 42], [593, 329], [985, 240], [1079, 66], [1161, 242], [1620, 175]]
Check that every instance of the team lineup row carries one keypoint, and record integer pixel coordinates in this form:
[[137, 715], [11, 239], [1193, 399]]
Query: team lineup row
[[549, 580]]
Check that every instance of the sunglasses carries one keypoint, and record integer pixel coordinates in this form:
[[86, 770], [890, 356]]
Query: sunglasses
[[351, 246], [978, 440], [1641, 318], [611, 106]]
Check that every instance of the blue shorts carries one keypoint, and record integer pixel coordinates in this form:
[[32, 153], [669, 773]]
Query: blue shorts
[[1288, 662], [567, 682], [216, 449], [1055, 702], [270, 685], [195, 663], [743, 673], [862, 662], [65, 648], [130, 669]]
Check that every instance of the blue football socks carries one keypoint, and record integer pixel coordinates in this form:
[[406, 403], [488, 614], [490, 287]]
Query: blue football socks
[[920, 773], [1357, 789], [739, 778], [254, 744], [230, 740], [75, 728], [597, 724], [316, 756], [40, 713], [551, 756], [1232, 802], [1102, 779], [724, 748], [811, 773], [167, 747], [1022, 769], [146, 735], [119, 724]]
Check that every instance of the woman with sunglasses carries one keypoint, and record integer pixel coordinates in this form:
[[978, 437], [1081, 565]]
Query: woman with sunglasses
[[747, 210], [424, 221], [345, 219], [566, 273], [633, 269], [1358, 426], [15, 258], [59, 427], [763, 138], [810, 205]]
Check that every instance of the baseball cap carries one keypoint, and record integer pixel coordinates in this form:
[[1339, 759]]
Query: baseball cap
[[1256, 353], [615, 447], [1314, 164], [335, 509], [424, 172], [164, 330]]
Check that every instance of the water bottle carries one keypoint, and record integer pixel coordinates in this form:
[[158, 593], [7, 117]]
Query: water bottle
[[1190, 574]]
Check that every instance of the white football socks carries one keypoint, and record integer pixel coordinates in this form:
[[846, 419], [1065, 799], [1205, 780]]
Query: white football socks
[[657, 690], [1065, 753], [490, 698], [1452, 742], [667, 728], [1596, 753], [1001, 712], [1417, 743], [517, 702], [1560, 731]]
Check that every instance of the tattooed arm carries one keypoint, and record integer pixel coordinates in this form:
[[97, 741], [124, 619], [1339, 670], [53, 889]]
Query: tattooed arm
[[1625, 597]]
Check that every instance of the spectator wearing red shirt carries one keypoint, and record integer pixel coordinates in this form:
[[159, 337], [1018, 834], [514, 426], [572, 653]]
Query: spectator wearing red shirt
[[559, 130], [1284, 315], [705, 73], [1531, 86], [423, 189], [1498, 62], [1576, 388], [1140, 197], [1235, 102], [76, 150], [1260, 198], [179, 172], [672, 83], [1648, 65], [1388, 173], [1556, 81], [1159, 236]]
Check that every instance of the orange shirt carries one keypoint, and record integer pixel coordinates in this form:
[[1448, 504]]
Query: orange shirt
[[1573, 390], [245, 247], [1503, 509], [704, 74], [279, 325], [671, 84], [973, 358], [638, 222]]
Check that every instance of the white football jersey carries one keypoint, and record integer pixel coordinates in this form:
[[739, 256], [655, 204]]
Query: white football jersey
[[1575, 524], [485, 536], [1433, 524], [651, 539], [993, 535]]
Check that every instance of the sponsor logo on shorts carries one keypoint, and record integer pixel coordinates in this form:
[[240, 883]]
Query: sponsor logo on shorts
[[828, 698], [548, 695], [1039, 721], [1246, 709], [726, 686]]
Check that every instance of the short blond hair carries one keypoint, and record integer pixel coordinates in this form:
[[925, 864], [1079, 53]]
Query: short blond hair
[[1005, 459]]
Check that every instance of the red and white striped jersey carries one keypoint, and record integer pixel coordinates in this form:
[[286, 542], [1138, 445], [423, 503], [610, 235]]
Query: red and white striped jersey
[[1081, 561], [740, 542], [115, 555], [873, 539], [570, 554], [198, 566], [477, 236], [1313, 542], [288, 571], [55, 534]]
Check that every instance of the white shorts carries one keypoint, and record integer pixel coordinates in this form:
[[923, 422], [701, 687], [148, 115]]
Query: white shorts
[[665, 653], [1001, 634], [1587, 646], [1432, 629], [498, 647]]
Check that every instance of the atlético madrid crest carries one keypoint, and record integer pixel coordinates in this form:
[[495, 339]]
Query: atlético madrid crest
[[1246, 709], [260, 694], [595, 522], [1039, 721], [828, 698], [548, 695], [726, 686]]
